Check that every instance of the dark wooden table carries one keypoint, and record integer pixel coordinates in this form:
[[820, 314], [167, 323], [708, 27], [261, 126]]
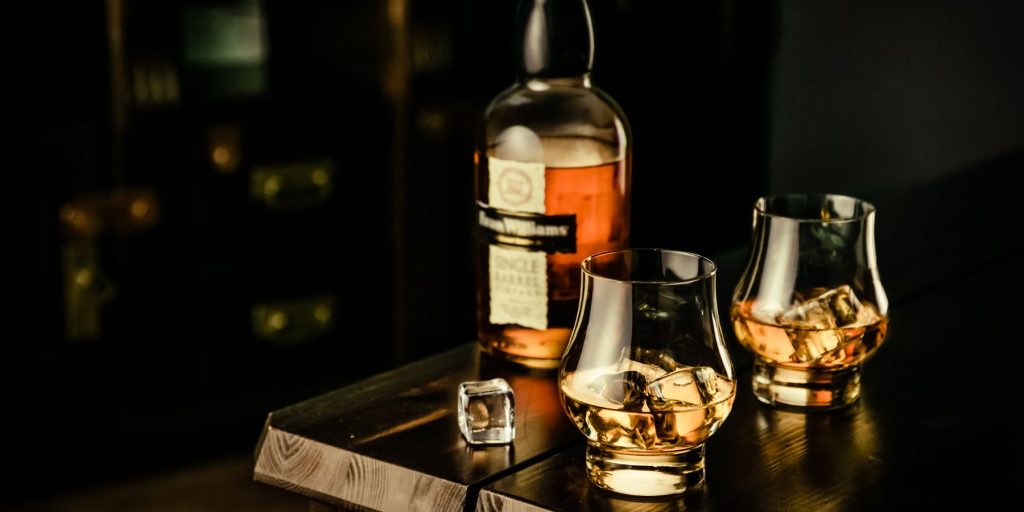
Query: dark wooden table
[[932, 415], [392, 442], [934, 406], [935, 410]]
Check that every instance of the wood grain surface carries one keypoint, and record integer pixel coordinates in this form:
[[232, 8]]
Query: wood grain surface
[[325, 472], [392, 442]]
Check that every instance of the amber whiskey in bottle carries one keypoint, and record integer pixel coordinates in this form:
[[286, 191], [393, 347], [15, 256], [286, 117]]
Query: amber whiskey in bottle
[[552, 185]]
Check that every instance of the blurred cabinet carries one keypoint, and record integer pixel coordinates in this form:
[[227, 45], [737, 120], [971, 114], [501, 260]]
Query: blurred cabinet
[[266, 245]]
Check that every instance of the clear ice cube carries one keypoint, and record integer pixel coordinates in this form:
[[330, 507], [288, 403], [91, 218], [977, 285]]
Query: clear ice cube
[[661, 361], [487, 412], [815, 326], [650, 363], [838, 307], [815, 346], [625, 388], [693, 386], [651, 312]]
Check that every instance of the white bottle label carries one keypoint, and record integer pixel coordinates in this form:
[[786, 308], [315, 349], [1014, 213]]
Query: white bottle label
[[519, 287], [515, 186], [518, 277]]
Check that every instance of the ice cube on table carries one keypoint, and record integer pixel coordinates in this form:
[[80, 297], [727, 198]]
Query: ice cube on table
[[693, 386], [487, 412]]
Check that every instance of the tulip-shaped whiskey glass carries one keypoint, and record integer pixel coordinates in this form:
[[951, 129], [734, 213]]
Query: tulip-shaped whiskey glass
[[810, 304], [646, 376]]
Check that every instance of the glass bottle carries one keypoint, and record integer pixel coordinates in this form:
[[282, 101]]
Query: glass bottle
[[552, 182]]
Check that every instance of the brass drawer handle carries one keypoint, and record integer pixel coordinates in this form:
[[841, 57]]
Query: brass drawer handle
[[292, 186], [123, 211], [293, 321]]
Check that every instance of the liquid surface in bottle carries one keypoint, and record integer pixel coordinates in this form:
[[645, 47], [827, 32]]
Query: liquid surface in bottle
[[584, 177]]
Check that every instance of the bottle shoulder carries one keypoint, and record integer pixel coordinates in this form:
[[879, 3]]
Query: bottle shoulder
[[559, 102], [534, 111]]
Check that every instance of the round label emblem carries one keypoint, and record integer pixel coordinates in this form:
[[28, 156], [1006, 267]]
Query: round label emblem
[[514, 186]]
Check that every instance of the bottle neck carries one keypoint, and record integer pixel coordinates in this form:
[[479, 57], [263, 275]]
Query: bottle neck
[[554, 39]]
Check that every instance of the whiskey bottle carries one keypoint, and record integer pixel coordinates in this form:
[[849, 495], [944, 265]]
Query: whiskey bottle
[[552, 186]]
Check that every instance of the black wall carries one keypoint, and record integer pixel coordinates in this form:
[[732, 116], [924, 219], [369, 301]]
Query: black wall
[[872, 95]]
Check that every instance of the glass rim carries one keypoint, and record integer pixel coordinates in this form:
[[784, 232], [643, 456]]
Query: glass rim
[[868, 208], [713, 270]]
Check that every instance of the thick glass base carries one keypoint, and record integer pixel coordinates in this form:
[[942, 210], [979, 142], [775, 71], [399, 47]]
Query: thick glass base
[[646, 475], [811, 388]]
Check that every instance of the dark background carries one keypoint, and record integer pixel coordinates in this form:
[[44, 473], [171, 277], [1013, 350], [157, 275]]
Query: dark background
[[214, 209]]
